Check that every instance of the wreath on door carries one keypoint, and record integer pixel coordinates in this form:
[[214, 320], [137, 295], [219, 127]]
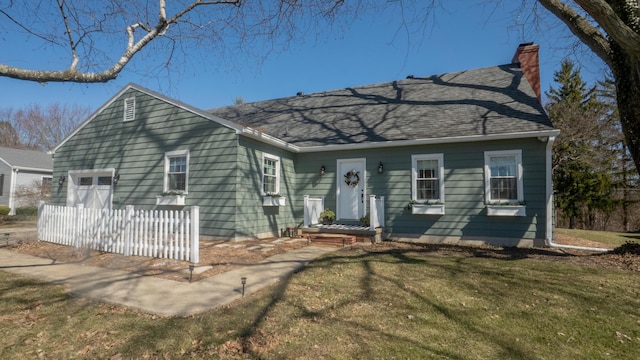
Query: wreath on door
[[352, 178]]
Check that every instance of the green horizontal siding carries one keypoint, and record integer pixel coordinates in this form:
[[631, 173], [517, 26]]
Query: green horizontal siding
[[253, 218], [225, 175], [136, 150], [465, 212]]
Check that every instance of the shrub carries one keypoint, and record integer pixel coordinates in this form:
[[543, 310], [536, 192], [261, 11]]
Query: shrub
[[327, 216], [4, 210], [27, 211], [365, 220]]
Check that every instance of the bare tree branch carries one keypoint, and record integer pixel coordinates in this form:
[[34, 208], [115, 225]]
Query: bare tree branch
[[610, 21], [580, 27], [72, 44], [25, 28], [133, 47]]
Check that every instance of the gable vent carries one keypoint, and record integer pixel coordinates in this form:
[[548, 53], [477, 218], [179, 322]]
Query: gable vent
[[129, 109]]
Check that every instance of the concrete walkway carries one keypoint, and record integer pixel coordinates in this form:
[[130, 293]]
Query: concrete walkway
[[159, 296]]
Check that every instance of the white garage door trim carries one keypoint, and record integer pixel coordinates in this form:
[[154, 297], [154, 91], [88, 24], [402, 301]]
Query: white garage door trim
[[93, 195]]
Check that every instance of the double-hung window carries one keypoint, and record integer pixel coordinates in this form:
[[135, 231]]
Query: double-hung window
[[503, 177], [270, 174], [176, 169], [427, 181]]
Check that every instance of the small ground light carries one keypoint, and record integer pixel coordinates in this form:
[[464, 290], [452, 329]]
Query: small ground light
[[191, 272], [244, 282]]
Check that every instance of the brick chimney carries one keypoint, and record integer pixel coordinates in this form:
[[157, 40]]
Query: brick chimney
[[527, 57]]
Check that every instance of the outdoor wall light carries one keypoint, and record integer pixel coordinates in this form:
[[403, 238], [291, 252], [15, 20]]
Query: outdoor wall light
[[116, 178], [61, 180], [322, 170], [244, 282], [380, 168]]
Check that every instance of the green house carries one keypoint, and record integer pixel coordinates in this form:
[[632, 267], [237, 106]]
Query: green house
[[462, 156]]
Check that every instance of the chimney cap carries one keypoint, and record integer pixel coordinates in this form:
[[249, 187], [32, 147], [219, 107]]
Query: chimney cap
[[526, 44], [299, 93]]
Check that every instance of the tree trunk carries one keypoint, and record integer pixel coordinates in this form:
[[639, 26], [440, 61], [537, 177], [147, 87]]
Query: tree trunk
[[626, 70], [625, 196]]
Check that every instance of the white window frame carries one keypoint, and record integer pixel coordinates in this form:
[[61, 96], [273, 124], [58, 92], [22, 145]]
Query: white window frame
[[167, 157], [487, 175], [266, 156], [129, 109], [414, 176]]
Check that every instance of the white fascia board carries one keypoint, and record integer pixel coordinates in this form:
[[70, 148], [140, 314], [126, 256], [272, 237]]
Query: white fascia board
[[6, 162], [448, 140], [25, 168], [238, 128], [260, 136]]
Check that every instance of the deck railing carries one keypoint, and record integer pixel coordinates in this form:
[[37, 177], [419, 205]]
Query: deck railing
[[376, 212], [313, 207]]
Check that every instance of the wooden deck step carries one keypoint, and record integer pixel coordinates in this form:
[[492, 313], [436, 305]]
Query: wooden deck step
[[338, 240]]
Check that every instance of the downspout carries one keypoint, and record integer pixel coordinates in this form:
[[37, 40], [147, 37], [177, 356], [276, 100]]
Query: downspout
[[12, 191], [550, 210]]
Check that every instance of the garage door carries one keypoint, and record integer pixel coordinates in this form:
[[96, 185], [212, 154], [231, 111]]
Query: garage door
[[92, 190]]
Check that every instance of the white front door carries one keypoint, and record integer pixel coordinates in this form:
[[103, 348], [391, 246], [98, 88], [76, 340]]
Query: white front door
[[351, 179], [91, 190]]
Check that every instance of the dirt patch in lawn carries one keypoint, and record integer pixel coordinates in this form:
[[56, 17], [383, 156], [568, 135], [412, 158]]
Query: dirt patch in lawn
[[629, 261], [217, 256], [576, 241]]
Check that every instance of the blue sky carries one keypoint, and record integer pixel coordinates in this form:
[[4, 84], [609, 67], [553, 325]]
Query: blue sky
[[466, 35]]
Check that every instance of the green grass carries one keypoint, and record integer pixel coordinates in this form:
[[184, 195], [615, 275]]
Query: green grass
[[606, 237], [403, 303]]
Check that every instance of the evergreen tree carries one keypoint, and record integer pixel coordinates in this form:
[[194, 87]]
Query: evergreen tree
[[624, 173], [582, 161]]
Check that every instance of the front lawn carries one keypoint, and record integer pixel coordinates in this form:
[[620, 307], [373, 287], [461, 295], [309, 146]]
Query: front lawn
[[606, 237], [381, 302]]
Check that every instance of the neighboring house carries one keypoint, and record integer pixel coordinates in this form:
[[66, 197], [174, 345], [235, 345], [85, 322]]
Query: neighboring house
[[454, 148], [22, 168]]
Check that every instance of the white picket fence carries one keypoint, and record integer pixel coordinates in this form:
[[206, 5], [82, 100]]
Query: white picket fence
[[156, 233]]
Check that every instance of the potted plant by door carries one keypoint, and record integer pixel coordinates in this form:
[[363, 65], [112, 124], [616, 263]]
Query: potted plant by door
[[327, 216]]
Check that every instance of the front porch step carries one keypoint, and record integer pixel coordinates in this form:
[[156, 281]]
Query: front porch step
[[363, 234], [338, 240]]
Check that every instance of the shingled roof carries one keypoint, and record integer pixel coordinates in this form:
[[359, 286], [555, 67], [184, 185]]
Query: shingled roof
[[488, 101], [26, 159]]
